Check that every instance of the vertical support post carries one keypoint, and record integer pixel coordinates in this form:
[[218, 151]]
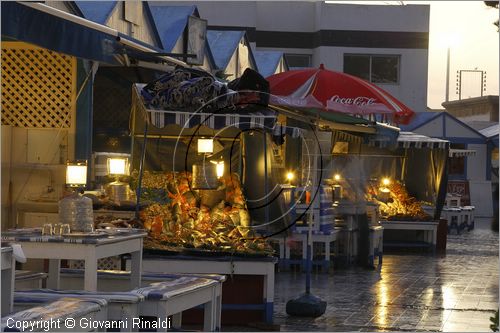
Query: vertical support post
[[54, 273], [266, 189], [141, 171], [315, 209]]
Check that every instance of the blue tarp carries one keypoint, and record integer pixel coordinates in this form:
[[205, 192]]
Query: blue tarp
[[170, 22], [97, 11], [267, 61], [223, 44]]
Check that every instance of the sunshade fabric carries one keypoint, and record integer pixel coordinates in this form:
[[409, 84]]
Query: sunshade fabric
[[335, 92]]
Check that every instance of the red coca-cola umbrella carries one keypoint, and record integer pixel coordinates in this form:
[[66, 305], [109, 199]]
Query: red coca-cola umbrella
[[334, 92]]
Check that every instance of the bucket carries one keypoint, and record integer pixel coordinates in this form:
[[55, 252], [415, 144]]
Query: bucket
[[118, 192]]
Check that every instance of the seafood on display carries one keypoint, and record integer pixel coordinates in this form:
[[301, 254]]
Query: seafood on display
[[400, 205], [188, 221]]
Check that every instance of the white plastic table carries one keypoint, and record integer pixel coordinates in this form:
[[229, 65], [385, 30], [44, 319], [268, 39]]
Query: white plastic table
[[8, 275], [88, 249]]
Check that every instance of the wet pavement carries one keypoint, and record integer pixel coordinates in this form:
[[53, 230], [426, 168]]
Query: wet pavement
[[411, 292]]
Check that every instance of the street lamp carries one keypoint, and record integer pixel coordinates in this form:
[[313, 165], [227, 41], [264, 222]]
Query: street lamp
[[450, 40]]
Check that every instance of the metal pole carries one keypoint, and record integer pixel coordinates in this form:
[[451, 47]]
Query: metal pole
[[314, 206], [266, 206], [447, 94], [141, 172]]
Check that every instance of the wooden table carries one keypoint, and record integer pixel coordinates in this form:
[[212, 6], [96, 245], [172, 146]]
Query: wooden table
[[429, 228], [8, 276], [89, 249]]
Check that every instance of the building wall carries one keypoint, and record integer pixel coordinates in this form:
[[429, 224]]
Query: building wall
[[296, 16], [483, 108], [481, 197], [61, 5], [412, 86], [476, 117], [457, 130], [298, 28], [142, 31], [476, 165], [231, 69], [433, 128]]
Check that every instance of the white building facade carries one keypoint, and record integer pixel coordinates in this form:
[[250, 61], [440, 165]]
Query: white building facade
[[385, 44]]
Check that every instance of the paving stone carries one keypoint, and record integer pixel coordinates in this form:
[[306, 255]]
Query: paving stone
[[411, 292]]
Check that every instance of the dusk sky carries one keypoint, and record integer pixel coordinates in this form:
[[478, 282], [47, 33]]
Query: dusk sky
[[470, 23]]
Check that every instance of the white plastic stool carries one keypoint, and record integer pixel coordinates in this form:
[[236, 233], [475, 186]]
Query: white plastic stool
[[468, 215], [452, 200], [454, 218]]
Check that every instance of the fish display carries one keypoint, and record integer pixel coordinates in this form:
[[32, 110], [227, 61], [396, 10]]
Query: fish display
[[216, 220]]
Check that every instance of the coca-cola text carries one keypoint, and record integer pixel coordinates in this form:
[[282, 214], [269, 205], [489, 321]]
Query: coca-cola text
[[359, 101]]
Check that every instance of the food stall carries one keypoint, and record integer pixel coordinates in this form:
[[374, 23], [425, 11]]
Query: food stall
[[374, 191], [401, 188], [193, 156]]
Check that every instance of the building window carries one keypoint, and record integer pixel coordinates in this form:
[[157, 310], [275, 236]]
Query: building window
[[373, 68], [457, 163], [298, 60]]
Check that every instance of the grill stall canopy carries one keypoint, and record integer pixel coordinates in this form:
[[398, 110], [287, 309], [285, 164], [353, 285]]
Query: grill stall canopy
[[165, 140], [182, 129]]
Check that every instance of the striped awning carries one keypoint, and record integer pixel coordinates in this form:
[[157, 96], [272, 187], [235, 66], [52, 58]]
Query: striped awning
[[462, 152], [412, 140], [346, 137], [265, 119], [162, 118]]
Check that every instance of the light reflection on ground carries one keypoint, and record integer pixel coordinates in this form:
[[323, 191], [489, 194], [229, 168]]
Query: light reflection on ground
[[417, 292]]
